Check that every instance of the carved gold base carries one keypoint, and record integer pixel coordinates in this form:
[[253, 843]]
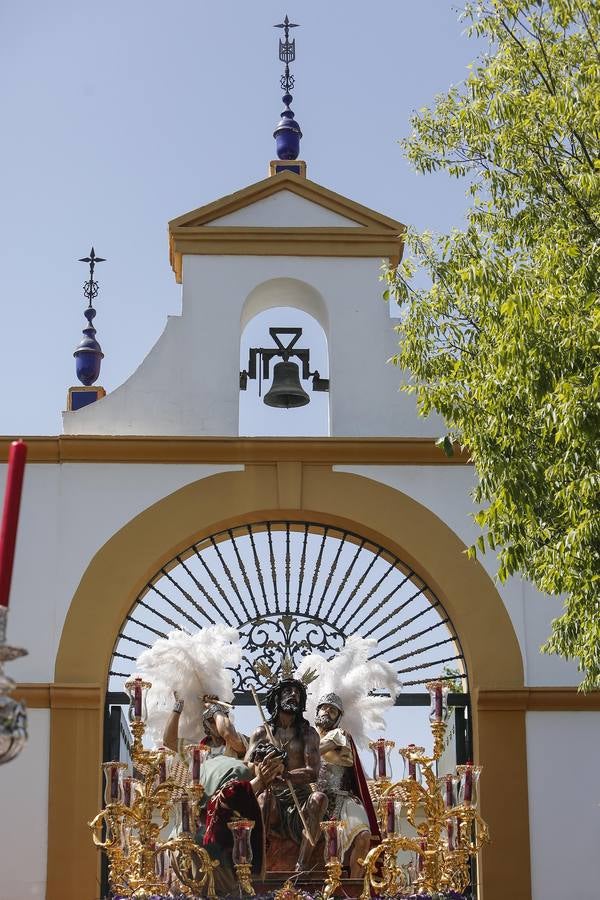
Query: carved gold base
[[438, 730], [333, 878], [243, 873]]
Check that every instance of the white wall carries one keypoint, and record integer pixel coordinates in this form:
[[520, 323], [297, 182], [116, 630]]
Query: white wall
[[68, 512], [189, 382], [564, 805], [446, 491], [24, 814]]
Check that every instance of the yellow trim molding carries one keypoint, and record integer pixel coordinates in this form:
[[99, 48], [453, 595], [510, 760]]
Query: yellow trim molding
[[59, 696], [540, 699], [378, 235], [44, 695], [333, 451]]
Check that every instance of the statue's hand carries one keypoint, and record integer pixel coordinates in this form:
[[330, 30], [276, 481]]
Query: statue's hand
[[270, 768], [263, 749]]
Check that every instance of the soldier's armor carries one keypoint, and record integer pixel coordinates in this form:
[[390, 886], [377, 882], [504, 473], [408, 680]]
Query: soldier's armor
[[337, 783]]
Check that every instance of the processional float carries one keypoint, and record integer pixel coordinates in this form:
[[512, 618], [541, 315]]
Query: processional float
[[435, 819]]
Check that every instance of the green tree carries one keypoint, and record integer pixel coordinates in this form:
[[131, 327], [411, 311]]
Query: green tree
[[505, 342]]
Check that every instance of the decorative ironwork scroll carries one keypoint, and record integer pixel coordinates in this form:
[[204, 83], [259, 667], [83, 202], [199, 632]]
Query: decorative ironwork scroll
[[291, 588]]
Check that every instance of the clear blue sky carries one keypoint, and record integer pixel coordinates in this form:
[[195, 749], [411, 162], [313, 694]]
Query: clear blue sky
[[120, 115]]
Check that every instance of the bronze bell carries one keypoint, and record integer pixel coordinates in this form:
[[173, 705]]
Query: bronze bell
[[286, 391]]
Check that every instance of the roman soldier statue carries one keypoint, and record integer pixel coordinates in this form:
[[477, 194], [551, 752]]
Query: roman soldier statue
[[342, 780], [349, 695]]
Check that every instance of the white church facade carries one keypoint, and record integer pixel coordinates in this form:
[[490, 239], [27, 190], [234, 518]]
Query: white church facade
[[158, 466]]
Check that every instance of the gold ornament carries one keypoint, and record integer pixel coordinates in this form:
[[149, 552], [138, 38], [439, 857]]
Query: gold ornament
[[442, 861], [135, 813]]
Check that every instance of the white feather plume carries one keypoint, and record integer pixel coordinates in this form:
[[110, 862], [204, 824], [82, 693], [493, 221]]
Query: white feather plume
[[191, 665], [352, 675]]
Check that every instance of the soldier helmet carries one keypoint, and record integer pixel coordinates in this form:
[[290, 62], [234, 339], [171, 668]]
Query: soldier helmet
[[332, 699]]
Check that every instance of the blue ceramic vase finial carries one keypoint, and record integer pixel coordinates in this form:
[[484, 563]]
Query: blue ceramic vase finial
[[88, 353], [287, 134]]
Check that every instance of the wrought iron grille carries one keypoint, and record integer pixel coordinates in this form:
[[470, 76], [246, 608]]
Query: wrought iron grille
[[292, 587]]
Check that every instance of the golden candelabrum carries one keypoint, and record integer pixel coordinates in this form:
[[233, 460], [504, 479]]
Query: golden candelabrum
[[442, 812], [13, 714], [136, 811]]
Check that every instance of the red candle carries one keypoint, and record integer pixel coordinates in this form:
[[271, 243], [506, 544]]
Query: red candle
[[332, 842], [240, 838], [390, 826], [114, 783], [438, 702], [162, 769], [412, 767], [448, 791], [137, 698], [421, 864], [10, 516], [127, 790], [185, 815], [450, 830], [196, 765], [381, 769], [468, 791]]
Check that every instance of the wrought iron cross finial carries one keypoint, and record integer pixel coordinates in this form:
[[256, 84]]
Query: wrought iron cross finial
[[286, 25], [287, 54], [90, 288]]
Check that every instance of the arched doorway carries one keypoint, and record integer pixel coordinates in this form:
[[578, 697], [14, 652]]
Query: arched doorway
[[300, 492]]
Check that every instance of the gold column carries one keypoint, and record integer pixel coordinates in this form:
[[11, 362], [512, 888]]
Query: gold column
[[500, 746], [75, 755]]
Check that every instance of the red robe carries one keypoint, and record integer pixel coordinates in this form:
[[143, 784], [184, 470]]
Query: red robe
[[362, 790]]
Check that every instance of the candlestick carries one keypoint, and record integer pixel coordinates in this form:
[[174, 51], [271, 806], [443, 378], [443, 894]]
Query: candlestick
[[196, 754], [333, 853], [242, 853], [469, 779], [438, 692], [382, 765], [113, 788], [411, 755], [137, 690], [10, 515]]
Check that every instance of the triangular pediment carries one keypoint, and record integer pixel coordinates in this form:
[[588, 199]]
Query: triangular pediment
[[285, 214], [287, 183], [287, 209]]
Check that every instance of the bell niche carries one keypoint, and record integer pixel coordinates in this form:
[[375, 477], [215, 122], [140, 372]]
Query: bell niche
[[284, 368]]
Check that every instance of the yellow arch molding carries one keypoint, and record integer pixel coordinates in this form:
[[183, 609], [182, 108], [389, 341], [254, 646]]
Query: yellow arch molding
[[123, 566]]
